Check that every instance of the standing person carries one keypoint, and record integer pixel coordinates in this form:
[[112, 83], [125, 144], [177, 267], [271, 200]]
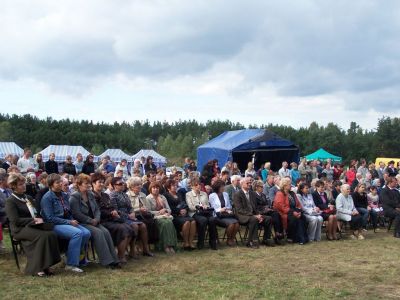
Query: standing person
[[284, 171], [69, 167], [149, 166], [311, 212], [56, 210], [250, 170], [26, 163], [51, 166], [198, 208], [247, 214], [294, 173], [219, 200], [85, 210], [328, 171], [265, 172], [346, 211], [39, 164], [351, 173], [328, 211], [78, 163], [362, 169], [40, 246], [88, 166]]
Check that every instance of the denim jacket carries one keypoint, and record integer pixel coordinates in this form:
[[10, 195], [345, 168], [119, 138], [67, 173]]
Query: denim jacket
[[52, 210]]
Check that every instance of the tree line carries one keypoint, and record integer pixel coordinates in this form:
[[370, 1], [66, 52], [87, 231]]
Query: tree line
[[180, 139]]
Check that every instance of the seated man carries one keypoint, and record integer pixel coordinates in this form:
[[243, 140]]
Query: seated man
[[246, 211], [390, 198]]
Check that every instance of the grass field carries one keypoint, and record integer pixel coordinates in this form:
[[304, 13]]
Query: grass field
[[346, 269]]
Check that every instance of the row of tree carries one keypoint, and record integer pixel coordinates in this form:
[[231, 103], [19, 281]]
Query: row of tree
[[180, 139]]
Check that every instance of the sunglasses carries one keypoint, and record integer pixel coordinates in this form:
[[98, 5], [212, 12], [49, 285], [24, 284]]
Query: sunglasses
[[120, 183]]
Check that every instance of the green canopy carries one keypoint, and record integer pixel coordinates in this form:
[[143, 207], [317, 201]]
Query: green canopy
[[323, 155]]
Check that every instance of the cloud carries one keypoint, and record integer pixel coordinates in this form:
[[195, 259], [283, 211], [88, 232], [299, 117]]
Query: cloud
[[235, 51]]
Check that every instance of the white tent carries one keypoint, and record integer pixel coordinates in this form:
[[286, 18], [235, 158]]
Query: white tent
[[10, 148], [116, 155], [158, 159], [61, 152]]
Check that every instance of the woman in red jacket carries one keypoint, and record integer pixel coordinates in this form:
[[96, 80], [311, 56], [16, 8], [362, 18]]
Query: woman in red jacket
[[289, 208]]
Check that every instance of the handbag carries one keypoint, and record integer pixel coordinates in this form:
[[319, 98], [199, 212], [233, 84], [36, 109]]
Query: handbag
[[205, 212], [42, 226]]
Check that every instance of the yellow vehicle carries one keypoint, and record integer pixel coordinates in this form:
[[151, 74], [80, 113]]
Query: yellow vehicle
[[386, 161]]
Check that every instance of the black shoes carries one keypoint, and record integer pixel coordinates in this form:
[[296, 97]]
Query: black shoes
[[269, 243], [252, 245]]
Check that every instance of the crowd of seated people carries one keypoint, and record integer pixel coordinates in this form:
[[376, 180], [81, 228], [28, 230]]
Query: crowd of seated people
[[125, 210]]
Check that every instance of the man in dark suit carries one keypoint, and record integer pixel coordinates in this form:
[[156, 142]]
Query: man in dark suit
[[50, 165], [233, 187], [246, 211], [390, 198]]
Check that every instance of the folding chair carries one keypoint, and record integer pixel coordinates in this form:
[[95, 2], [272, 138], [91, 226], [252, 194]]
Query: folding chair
[[15, 244]]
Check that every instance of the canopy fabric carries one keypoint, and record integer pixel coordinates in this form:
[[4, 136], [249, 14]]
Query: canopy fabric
[[158, 159], [242, 146], [116, 155], [323, 155], [61, 152], [10, 148]]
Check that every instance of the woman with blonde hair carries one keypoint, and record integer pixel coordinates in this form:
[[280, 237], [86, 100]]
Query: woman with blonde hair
[[290, 210], [265, 171], [250, 170]]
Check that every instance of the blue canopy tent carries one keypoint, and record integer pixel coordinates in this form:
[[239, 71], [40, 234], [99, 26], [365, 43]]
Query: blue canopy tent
[[241, 146], [61, 152], [159, 160], [116, 155], [10, 148]]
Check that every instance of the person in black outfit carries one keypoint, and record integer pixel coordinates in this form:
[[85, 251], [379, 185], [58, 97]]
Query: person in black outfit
[[328, 211], [69, 167], [336, 189], [390, 198], [185, 225], [361, 203], [51, 166], [149, 166], [265, 208], [88, 166]]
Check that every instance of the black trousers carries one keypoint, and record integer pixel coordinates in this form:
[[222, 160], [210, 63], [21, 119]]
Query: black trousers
[[254, 225], [202, 222], [356, 222], [395, 215], [276, 221]]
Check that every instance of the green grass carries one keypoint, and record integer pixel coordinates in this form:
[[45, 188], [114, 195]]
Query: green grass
[[344, 269]]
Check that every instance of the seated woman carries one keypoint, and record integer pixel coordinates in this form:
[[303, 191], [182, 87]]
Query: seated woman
[[159, 208], [328, 211], [56, 210], [346, 211], [138, 200], [32, 187], [219, 200], [121, 233], [124, 208], [40, 246], [360, 200], [184, 224], [86, 211], [311, 212], [289, 208], [198, 204]]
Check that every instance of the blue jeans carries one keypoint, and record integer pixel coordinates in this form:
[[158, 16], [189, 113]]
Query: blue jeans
[[78, 238], [364, 214]]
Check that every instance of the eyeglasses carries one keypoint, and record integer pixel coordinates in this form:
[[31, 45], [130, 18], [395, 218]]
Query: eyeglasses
[[119, 183]]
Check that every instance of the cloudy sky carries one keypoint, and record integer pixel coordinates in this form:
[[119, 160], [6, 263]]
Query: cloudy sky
[[285, 62]]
